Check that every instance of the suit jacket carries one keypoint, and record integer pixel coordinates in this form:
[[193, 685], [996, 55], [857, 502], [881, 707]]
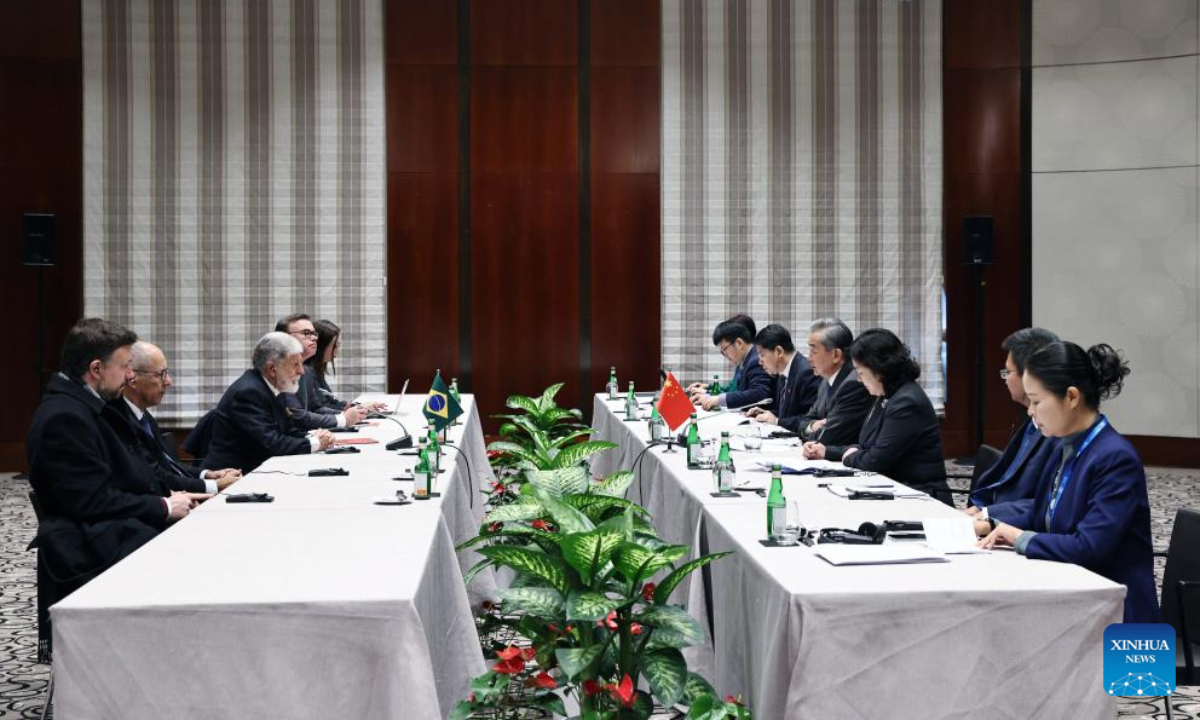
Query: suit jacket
[[901, 438], [98, 502], [250, 425], [307, 410], [844, 405], [150, 448], [1102, 521], [1008, 488], [324, 395], [752, 383], [796, 396]]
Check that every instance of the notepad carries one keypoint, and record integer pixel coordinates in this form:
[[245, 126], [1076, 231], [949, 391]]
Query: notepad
[[898, 554], [355, 441]]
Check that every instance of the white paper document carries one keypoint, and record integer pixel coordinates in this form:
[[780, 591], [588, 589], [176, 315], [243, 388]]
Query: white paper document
[[891, 554], [953, 536]]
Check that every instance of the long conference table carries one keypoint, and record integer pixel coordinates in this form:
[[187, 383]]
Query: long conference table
[[982, 636], [320, 604]]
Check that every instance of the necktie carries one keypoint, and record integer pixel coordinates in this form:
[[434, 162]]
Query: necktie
[[146, 426]]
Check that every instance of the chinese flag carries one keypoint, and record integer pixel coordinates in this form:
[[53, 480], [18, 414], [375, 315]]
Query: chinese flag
[[673, 403]]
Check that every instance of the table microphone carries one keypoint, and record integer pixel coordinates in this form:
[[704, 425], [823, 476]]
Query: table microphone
[[404, 441]]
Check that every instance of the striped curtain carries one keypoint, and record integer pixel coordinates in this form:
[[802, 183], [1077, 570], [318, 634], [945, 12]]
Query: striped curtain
[[234, 173], [801, 171]]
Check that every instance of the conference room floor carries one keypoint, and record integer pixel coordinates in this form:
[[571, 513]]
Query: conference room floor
[[23, 681]]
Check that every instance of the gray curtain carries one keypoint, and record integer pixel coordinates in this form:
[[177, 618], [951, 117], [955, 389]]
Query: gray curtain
[[802, 171], [234, 173]]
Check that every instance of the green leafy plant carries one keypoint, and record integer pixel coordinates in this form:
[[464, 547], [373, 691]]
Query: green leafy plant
[[542, 437], [584, 598]]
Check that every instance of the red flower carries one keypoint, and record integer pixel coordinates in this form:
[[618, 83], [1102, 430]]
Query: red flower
[[552, 628], [497, 487], [493, 454], [542, 525], [541, 680], [623, 693], [648, 592], [591, 687], [511, 661], [471, 697], [609, 622], [528, 654], [635, 629], [735, 700], [495, 527]]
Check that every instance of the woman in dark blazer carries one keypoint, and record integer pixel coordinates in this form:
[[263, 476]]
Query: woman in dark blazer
[[1093, 510], [901, 437]]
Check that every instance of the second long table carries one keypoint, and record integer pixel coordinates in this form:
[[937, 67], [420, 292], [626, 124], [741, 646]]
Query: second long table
[[980, 636]]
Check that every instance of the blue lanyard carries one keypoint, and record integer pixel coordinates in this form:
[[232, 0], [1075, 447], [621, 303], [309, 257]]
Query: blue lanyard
[[1066, 472]]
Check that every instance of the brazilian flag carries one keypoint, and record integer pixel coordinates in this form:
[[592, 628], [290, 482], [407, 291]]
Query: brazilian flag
[[440, 407]]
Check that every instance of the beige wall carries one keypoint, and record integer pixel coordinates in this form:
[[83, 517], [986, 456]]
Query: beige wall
[[1115, 195]]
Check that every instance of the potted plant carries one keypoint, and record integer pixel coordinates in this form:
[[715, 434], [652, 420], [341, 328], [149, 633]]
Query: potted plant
[[584, 599]]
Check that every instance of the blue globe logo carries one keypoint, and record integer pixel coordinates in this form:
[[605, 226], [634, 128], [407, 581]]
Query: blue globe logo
[[437, 403]]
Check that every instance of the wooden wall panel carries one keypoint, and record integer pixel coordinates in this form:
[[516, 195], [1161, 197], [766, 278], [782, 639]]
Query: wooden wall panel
[[423, 192], [422, 118], [626, 278], [535, 33], [423, 300], [523, 119], [41, 170], [420, 32], [626, 32], [524, 260], [985, 168], [561, 267]]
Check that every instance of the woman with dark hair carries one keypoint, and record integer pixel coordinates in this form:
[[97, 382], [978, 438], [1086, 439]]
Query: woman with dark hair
[[901, 437], [320, 365], [1093, 511], [329, 343]]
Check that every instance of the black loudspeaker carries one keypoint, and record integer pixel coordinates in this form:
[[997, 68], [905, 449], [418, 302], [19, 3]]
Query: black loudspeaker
[[38, 235], [977, 240]]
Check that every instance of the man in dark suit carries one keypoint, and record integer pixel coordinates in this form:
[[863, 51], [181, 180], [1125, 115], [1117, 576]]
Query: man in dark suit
[[251, 422], [98, 503], [308, 410], [750, 384], [842, 404], [1008, 488], [151, 380], [795, 384]]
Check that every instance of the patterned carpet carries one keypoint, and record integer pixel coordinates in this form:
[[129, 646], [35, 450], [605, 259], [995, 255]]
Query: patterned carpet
[[23, 681]]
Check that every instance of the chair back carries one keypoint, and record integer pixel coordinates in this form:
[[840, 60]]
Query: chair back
[[985, 458], [1183, 564]]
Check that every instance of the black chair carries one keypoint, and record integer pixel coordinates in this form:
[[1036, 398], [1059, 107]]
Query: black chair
[[45, 598], [1181, 588], [200, 438], [985, 458]]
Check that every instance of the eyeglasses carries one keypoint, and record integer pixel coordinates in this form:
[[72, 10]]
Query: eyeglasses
[[725, 348], [1005, 373], [305, 333], [161, 374]]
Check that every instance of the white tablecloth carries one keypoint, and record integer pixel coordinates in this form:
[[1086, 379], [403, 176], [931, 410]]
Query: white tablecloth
[[982, 636], [318, 605]]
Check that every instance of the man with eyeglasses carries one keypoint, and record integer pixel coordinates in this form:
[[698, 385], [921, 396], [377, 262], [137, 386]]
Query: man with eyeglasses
[[750, 384], [137, 427], [96, 501], [304, 406], [1007, 488]]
